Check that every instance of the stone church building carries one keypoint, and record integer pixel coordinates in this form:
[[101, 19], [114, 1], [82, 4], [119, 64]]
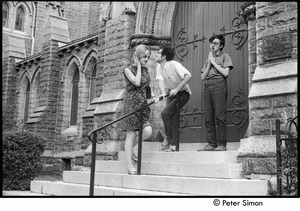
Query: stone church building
[[62, 72]]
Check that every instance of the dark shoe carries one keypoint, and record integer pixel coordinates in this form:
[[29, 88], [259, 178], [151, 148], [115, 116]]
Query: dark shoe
[[221, 148], [207, 148], [134, 158], [132, 172]]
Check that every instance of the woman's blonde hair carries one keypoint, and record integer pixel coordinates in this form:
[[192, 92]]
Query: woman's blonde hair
[[141, 49]]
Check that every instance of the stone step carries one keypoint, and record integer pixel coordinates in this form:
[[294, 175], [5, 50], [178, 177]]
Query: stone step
[[204, 170], [187, 156], [60, 188], [21, 193], [185, 185], [155, 146]]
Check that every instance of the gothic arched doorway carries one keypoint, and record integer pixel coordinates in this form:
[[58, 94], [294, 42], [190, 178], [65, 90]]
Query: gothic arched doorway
[[193, 24]]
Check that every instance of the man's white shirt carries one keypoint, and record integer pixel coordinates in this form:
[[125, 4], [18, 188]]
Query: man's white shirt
[[172, 73]]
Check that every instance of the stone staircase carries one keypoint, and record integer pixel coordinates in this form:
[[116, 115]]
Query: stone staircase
[[186, 172]]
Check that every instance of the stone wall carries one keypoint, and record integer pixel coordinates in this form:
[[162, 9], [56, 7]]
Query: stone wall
[[94, 15], [42, 15], [273, 86], [77, 14], [9, 93], [82, 17], [273, 93]]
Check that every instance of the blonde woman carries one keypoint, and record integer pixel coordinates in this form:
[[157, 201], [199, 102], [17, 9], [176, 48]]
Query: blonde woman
[[137, 80]]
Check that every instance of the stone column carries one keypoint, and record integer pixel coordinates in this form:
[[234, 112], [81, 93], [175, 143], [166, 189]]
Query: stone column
[[9, 93], [56, 32], [13, 52], [273, 87]]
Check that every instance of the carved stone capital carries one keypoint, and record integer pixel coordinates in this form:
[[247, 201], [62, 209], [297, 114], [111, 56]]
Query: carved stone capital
[[248, 11], [150, 39], [105, 19], [129, 11]]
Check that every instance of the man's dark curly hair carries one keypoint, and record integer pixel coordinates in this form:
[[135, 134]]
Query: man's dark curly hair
[[168, 52], [221, 38]]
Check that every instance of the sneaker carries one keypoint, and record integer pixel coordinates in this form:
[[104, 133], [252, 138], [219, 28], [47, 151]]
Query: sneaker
[[208, 148], [221, 148], [134, 158], [164, 147], [171, 149]]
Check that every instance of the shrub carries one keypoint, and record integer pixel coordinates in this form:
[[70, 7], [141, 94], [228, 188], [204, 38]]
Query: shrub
[[21, 159], [289, 156]]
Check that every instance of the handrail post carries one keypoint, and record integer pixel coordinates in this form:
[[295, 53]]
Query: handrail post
[[278, 157], [140, 143], [177, 115], [92, 179]]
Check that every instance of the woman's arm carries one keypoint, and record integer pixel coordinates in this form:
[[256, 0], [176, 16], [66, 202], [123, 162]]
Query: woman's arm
[[135, 79]]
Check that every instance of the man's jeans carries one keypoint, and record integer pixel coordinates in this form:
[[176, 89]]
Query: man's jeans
[[168, 114], [215, 97]]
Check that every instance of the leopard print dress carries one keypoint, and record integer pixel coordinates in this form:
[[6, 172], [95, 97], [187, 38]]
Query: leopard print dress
[[135, 98]]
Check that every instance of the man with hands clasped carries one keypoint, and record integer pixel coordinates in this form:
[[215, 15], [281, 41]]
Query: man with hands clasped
[[214, 73]]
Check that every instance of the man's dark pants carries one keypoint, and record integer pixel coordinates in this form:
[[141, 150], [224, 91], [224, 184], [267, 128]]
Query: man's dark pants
[[215, 97], [168, 114]]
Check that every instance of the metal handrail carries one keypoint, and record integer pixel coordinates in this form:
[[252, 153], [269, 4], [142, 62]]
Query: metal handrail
[[92, 136], [287, 138]]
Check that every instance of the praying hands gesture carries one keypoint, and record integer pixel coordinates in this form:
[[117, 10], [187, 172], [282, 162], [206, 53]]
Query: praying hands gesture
[[211, 58]]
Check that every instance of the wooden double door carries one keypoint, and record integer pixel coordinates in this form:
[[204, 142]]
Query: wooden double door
[[194, 24]]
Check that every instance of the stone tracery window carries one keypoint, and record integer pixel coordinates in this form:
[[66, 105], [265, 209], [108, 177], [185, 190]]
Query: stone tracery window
[[74, 99], [20, 19], [5, 15], [93, 84], [27, 97], [35, 92]]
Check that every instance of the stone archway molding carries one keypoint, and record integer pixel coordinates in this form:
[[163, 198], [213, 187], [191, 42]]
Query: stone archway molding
[[155, 18]]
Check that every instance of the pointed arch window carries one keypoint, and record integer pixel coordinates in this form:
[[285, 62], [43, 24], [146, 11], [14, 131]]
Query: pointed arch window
[[27, 97], [74, 99], [35, 93], [20, 19], [38, 83], [5, 15], [93, 84]]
